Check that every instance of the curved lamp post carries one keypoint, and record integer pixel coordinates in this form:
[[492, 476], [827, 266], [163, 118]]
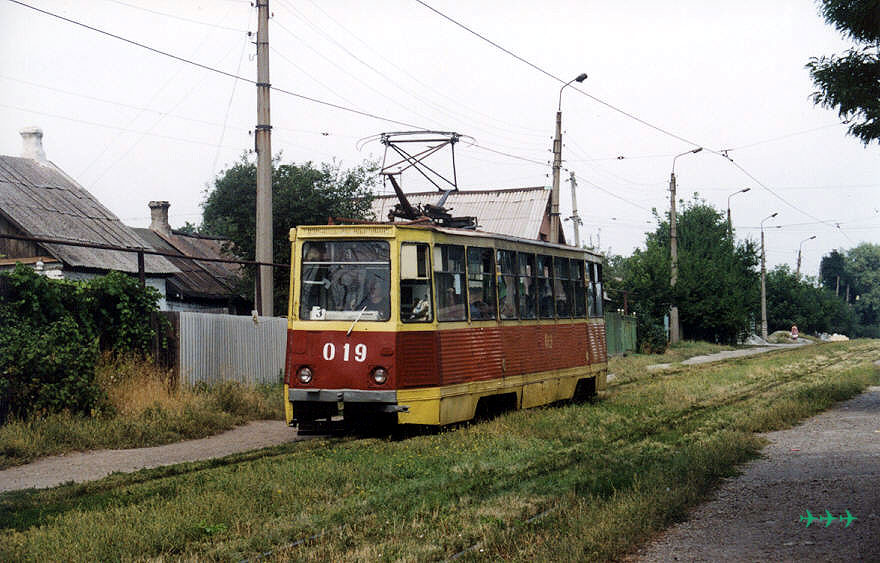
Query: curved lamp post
[[674, 327], [557, 163], [800, 246], [729, 224], [763, 280]]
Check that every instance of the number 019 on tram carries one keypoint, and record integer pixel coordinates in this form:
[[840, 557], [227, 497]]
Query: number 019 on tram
[[427, 325]]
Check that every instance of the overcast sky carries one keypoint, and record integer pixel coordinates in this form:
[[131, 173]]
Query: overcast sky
[[664, 77]]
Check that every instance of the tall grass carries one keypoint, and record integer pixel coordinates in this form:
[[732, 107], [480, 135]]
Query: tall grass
[[144, 408], [573, 482]]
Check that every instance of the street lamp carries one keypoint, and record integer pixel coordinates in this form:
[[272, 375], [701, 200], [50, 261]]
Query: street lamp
[[729, 225], [763, 280], [557, 163], [800, 246], [674, 329]]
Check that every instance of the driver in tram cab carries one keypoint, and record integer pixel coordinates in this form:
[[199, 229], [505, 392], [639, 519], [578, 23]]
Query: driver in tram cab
[[376, 299]]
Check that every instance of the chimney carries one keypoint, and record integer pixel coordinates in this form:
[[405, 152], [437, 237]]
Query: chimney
[[32, 144], [159, 217]]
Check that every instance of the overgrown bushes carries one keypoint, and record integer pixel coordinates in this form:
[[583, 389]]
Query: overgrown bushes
[[52, 333]]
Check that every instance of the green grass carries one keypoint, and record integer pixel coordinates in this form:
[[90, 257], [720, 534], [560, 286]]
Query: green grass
[[572, 482], [143, 410], [633, 366]]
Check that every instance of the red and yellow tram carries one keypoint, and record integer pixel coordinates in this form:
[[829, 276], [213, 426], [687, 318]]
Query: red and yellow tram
[[427, 325]]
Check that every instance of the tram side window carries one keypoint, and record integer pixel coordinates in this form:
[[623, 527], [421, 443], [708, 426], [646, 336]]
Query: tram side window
[[562, 287], [528, 288], [508, 289], [580, 288], [449, 280], [415, 284], [595, 291], [481, 283], [545, 287]]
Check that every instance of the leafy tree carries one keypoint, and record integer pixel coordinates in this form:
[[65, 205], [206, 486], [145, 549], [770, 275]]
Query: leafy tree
[[850, 81], [832, 272], [717, 286], [863, 265], [792, 301], [301, 195]]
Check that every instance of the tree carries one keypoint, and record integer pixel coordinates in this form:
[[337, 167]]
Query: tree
[[814, 309], [859, 273], [301, 195], [717, 286], [850, 81]]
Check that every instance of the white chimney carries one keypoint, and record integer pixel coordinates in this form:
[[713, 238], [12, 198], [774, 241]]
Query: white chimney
[[32, 144], [159, 217]]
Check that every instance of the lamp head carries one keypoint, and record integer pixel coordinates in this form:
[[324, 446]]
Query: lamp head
[[774, 215], [581, 77], [812, 237], [744, 190], [696, 150]]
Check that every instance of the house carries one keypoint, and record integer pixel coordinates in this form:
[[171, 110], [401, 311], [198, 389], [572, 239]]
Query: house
[[205, 287], [518, 212], [37, 199]]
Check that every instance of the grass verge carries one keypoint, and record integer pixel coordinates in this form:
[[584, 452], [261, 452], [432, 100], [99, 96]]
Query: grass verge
[[143, 409], [573, 482]]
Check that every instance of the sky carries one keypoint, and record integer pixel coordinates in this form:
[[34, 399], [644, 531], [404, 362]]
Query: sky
[[132, 125]]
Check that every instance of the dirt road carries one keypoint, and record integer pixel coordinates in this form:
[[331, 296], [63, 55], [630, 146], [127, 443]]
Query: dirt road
[[830, 462], [88, 466]]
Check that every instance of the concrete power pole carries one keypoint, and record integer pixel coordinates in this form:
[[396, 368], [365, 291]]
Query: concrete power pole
[[265, 289], [575, 218], [674, 334]]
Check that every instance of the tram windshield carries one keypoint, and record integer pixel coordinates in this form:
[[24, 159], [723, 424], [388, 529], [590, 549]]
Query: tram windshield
[[345, 280]]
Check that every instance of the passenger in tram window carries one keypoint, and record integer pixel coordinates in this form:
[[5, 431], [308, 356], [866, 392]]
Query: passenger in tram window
[[479, 308], [377, 299]]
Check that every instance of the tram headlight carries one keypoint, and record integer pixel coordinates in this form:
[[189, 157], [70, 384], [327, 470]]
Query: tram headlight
[[304, 374], [380, 375]]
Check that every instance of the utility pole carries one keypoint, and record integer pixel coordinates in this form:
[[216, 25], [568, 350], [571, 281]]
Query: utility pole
[[800, 248], [557, 164], [575, 218], [674, 326], [263, 135], [764, 280]]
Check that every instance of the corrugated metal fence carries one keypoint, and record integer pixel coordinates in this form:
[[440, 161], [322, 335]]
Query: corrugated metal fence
[[620, 334], [211, 348]]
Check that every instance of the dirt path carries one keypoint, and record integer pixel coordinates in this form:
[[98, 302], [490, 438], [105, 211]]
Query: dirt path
[[830, 462], [88, 466]]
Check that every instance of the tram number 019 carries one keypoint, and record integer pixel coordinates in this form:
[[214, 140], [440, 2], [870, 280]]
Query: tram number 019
[[360, 352]]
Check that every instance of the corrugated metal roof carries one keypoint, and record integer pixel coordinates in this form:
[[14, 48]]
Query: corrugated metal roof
[[210, 280], [518, 212], [43, 201]]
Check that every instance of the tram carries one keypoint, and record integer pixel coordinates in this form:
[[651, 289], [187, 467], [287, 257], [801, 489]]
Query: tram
[[429, 325]]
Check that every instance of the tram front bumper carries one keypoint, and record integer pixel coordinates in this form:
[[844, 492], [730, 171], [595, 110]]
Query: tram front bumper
[[381, 401]]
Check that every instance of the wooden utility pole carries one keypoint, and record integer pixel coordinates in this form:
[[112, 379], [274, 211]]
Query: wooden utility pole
[[264, 291]]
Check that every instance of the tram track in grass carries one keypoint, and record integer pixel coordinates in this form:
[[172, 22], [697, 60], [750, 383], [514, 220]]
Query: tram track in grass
[[632, 461]]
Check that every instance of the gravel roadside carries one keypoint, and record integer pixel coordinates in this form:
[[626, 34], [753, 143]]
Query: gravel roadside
[[830, 462], [89, 466]]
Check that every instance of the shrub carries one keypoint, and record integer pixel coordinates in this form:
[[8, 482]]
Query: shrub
[[52, 331]]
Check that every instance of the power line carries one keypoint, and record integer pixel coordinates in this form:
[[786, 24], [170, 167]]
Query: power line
[[215, 70], [176, 17], [116, 127], [558, 79]]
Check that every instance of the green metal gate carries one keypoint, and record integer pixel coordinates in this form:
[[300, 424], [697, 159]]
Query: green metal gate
[[620, 333]]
